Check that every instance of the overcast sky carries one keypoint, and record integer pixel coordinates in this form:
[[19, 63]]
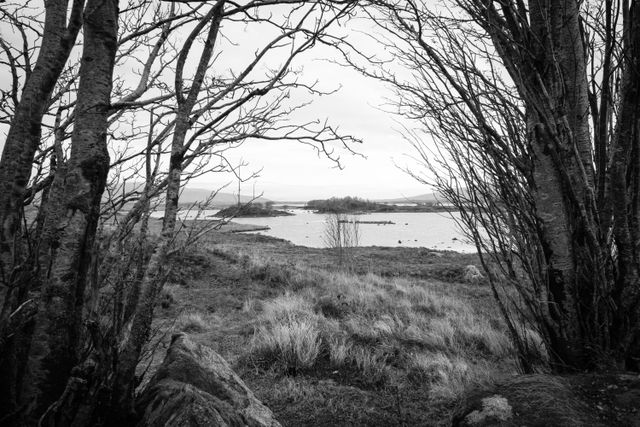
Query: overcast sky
[[290, 171]]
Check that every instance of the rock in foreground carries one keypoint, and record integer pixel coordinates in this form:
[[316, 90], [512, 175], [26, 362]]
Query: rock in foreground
[[195, 387], [527, 400]]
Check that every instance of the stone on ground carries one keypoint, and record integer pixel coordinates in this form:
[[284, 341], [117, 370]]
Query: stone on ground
[[195, 387], [527, 400]]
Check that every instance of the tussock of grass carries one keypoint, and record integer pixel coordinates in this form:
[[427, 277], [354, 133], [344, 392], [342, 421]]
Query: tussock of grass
[[438, 367], [294, 344], [448, 376], [372, 364], [192, 323], [251, 305], [340, 348], [287, 307], [273, 274]]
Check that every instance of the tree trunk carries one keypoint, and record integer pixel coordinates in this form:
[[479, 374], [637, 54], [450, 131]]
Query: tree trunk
[[153, 280], [19, 149], [625, 189], [73, 216], [23, 138], [574, 233], [558, 121], [583, 328]]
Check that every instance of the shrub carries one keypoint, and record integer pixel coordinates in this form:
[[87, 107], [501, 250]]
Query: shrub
[[472, 274], [448, 273], [168, 295]]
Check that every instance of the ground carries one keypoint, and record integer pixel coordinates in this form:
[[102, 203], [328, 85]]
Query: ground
[[615, 397], [393, 336]]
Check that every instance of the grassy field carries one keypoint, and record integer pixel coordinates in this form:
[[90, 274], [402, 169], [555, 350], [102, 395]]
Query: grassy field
[[393, 338]]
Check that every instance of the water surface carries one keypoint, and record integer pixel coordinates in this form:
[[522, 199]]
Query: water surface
[[435, 230]]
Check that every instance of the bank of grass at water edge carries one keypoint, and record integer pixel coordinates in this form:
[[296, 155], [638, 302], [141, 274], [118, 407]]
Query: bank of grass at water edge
[[321, 335]]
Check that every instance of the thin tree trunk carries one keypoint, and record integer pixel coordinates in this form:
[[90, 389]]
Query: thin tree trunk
[[153, 280]]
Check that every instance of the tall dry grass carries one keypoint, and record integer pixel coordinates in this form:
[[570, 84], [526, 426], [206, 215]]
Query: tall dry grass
[[384, 329]]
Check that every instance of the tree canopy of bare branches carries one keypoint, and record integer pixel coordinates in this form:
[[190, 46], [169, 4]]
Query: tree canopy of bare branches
[[534, 114], [100, 133]]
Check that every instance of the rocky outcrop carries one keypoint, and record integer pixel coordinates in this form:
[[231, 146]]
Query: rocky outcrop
[[195, 387]]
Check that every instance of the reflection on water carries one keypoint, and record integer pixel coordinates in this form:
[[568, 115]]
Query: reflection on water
[[419, 229]]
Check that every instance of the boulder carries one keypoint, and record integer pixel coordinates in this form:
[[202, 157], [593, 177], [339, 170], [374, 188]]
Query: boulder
[[195, 387], [494, 410]]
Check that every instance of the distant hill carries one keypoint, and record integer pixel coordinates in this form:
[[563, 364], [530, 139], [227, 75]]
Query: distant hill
[[422, 198], [194, 195], [190, 195]]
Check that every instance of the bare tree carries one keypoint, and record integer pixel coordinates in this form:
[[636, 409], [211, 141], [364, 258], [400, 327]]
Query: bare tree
[[152, 282], [534, 110], [341, 234], [74, 210], [24, 112], [86, 317]]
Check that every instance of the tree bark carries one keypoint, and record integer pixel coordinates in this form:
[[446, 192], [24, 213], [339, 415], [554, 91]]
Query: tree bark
[[546, 59], [556, 94], [19, 149], [572, 214], [73, 216], [23, 138], [625, 187]]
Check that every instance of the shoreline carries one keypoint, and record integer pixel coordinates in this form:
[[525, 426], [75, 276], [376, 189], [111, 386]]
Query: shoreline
[[265, 231], [250, 237]]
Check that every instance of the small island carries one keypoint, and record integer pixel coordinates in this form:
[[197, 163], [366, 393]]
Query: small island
[[356, 205], [345, 221], [251, 210]]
